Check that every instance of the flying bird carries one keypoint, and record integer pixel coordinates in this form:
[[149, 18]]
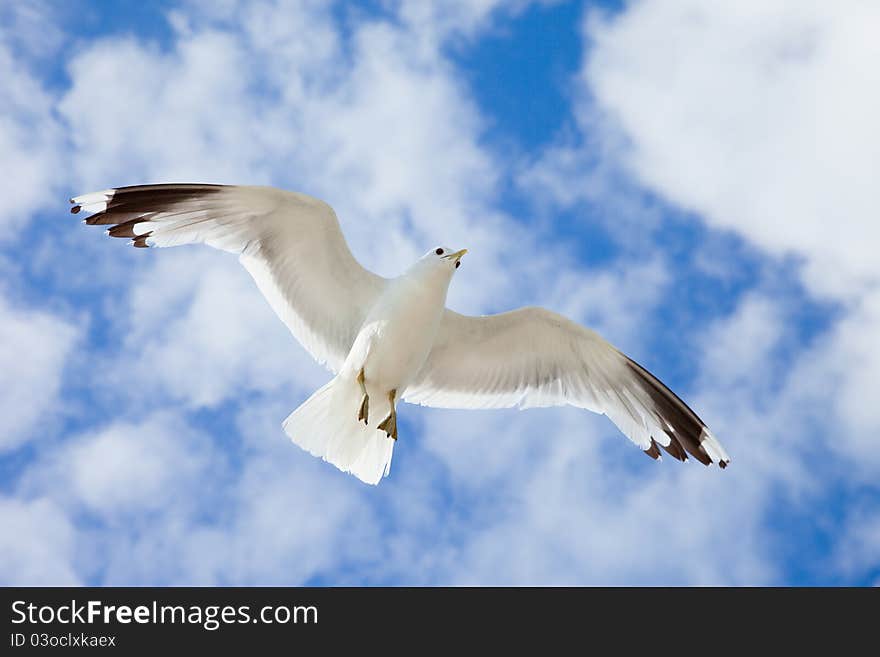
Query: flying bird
[[392, 340]]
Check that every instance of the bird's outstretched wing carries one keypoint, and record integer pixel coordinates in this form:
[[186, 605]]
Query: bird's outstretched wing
[[290, 243], [533, 357]]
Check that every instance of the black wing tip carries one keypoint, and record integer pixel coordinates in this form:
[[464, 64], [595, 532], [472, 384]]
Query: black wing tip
[[125, 229], [685, 428], [676, 451], [133, 204], [140, 242], [653, 451]]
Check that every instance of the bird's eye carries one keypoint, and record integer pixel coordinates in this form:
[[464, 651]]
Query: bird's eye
[[458, 264], [439, 251]]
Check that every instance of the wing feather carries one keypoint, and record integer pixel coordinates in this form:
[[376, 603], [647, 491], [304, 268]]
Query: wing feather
[[533, 357], [290, 243]]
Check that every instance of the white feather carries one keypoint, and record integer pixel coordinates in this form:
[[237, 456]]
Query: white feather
[[326, 426], [93, 198]]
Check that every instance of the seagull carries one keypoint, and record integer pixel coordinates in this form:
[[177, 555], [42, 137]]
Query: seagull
[[387, 340]]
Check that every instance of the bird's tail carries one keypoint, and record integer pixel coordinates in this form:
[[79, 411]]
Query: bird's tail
[[326, 425]]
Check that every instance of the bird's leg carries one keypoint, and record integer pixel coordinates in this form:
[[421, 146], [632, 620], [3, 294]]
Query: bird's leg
[[364, 412], [389, 424]]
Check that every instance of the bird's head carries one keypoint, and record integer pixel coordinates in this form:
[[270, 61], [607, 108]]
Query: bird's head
[[444, 257], [438, 264]]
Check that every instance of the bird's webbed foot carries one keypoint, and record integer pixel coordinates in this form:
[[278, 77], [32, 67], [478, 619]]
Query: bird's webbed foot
[[389, 424]]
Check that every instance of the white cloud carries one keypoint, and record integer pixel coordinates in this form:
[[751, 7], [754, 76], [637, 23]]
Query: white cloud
[[402, 168], [128, 468], [614, 300], [158, 502], [758, 118], [378, 122], [555, 497], [406, 160], [739, 348], [859, 550], [201, 332], [30, 144], [36, 544], [34, 347], [141, 113], [304, 522], [835, 383], [29, 28], [132, 494], [758, 115]]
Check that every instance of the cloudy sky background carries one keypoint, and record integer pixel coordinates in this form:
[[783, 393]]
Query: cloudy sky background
[[697, 181]]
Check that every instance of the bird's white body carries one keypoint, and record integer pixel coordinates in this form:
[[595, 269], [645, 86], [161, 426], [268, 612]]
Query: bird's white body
[[390, 349], [397, 335], [394, 339]]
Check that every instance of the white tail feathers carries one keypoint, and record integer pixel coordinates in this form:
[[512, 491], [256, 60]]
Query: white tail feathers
[[326, 425]]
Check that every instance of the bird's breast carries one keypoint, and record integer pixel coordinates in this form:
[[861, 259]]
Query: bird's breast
[[397, 336]]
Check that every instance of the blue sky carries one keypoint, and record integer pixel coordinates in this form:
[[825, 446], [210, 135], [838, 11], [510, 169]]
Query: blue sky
[[694, 181]]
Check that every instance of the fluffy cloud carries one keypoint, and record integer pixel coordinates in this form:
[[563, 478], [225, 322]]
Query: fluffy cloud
[[199, 331], [836, 379], [757, 115], [860, 547], [755, 118], [187, 329], [34, 347], [37, 544], [408, 160], [130, 468], [30, 141], [180, 473], [401, 167]]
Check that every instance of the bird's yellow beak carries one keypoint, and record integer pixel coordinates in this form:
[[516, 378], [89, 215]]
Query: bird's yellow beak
[[455, 257]]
